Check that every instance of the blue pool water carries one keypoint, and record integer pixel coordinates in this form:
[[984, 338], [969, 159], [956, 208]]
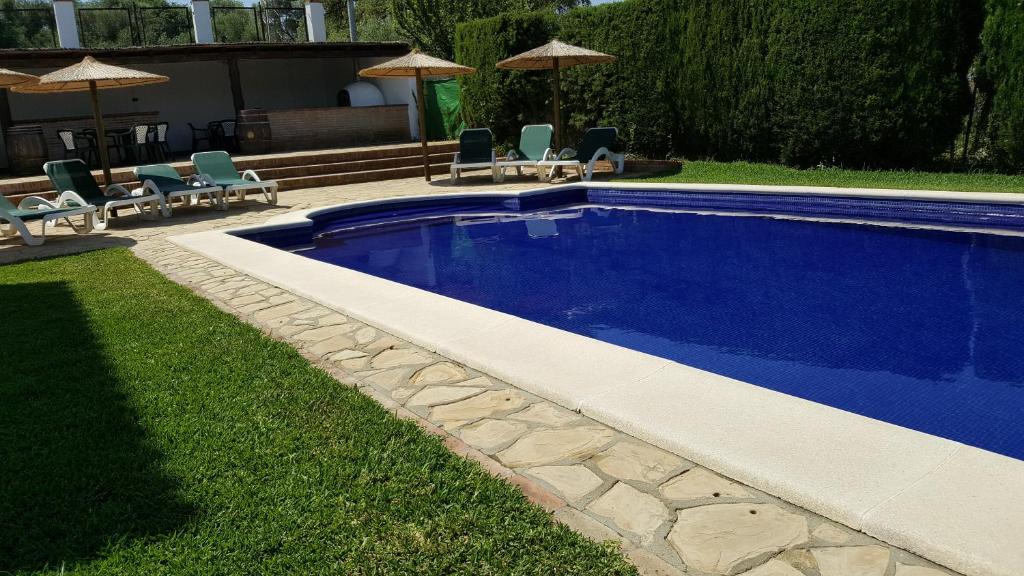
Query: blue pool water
[[920, 328]]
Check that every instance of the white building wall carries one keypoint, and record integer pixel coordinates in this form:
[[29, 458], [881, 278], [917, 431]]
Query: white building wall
[[396, 91]]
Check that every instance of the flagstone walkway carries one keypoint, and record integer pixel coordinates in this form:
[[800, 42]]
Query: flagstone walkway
[[669, 516]]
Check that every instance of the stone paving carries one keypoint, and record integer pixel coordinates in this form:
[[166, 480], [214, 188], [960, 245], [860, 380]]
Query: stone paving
[[669, 516]]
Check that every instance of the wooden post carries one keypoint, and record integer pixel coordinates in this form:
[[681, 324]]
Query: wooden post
[[101, 133], [5, 123], [423, 124], [557, 87], [237, 97]]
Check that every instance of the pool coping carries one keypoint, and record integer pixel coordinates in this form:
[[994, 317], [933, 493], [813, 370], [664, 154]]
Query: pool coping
[[953, 504]]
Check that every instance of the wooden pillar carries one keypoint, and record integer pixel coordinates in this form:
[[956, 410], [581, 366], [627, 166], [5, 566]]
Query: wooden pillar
[[5, 122], [421, 109], [557, 84], [236, 85]]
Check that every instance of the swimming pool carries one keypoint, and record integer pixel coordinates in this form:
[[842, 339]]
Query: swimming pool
[[918, 327]]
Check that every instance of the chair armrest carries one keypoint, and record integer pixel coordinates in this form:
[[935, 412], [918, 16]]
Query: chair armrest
[[566, 153], [494, 155], [35, 202], [147, 185], [512, 156], [116, 190], [457, 156], [250, 175], [200, 180]]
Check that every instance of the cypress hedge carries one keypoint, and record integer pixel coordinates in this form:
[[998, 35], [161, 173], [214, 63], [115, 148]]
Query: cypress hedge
[[858, 83], [1001, 77]]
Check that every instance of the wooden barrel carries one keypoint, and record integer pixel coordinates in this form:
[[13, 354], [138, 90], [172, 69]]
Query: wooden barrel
[[26, 149], [253, 131]]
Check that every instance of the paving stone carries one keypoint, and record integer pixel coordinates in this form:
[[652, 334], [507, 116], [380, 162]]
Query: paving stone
[[905, 570], [335, 318], [435, 395], [589, 527], [484, 405], [323, 333], [702, 483], [440, 373], [774, 567], [401, 394], [572, 482], [799, 558], [245, 299], [291, 330], [399, 357], [489, 435], [280, 298], [479, 382], [831, 534], [559, 445], [852, 560], [348, 354], [388, 379], [382, 343], [729, 538], [632, 510], [332, 344], [638, 462], [314, 313], [648, 564], [279, 311], [365, 335], [546, 414], [355, 363]]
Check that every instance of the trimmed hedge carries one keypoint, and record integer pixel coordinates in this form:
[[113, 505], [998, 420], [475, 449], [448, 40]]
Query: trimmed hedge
[[1001, 77], [861, 82]]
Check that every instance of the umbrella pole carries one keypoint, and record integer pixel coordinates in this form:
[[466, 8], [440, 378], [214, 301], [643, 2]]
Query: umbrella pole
[[557, 87], [101, 133], [423, 124]]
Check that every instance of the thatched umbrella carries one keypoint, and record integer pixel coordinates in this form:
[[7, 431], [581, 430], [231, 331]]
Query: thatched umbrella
[[554, 56], [420, 66], [10, 78], [92, 75]]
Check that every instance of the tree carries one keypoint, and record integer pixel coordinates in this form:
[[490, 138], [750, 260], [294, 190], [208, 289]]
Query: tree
[[430, 24]]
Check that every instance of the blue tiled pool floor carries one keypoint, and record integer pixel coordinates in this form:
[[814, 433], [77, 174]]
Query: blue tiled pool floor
[[919, 328]]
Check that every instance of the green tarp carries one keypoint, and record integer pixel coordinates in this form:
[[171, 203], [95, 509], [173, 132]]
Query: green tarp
[[444, 113]]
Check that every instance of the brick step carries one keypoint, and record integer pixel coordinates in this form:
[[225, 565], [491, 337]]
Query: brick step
[[16, 188], [350, 166], [358, 177]]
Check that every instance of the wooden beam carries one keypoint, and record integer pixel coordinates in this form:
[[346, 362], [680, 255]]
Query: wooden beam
[[5, 123], [236, 85]]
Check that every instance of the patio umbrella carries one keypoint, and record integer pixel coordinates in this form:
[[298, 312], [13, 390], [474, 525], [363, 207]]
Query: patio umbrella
[[416, 64], [92, 75], [10, 78], [554, 56]]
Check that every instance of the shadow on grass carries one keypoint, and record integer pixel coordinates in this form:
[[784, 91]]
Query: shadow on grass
[[77, 473]]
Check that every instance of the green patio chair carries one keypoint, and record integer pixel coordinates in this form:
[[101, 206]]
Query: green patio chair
[[534, 146], [76, 187], [14, 219], [476, 150], [165, 180], [597, 143], [216, 169]]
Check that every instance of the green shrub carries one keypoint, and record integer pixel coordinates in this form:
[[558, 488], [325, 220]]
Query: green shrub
[[1001, 76], [860, 82], [499, 99]]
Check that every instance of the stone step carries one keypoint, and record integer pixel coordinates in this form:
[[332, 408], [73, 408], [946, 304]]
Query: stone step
[[388, 156], [359, 176], [350, 166]]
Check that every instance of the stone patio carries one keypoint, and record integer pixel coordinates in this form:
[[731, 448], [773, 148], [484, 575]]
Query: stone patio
[[668, 515]]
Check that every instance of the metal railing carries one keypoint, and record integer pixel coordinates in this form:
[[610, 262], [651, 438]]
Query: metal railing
[[134, 26], [258, 23], [22, 27]]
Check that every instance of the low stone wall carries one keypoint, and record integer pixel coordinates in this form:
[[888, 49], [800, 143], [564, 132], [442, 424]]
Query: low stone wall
[[318, 128]]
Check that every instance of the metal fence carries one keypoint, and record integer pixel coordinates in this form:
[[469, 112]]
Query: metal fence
[[27, 27], [258, 23], [134, 26]]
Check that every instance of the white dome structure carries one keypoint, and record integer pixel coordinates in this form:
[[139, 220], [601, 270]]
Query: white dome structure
[[364, 94]]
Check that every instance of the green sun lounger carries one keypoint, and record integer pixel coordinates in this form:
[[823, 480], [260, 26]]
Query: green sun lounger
[[14, 219], [597, 143], [534, 146], [216, 169], [476, 150], [165, 180], [76, 187]]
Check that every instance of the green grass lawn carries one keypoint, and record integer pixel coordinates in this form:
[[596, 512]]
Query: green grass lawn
[[752, 173], [142, 431]]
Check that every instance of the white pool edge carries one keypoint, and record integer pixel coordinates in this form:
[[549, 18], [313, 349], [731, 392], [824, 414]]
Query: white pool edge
[[953, 504]]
